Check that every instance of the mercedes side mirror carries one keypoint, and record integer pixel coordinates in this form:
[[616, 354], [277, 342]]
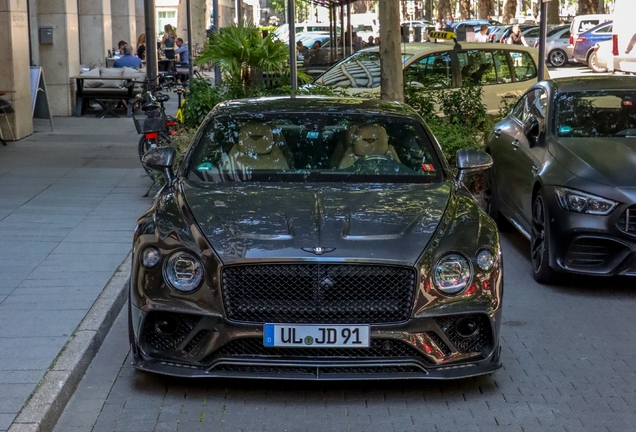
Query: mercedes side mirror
[[531, 130], [161, 159], [471, 161]]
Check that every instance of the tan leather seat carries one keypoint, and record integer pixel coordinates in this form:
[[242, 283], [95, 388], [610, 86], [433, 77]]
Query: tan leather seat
[[368, 140], [256, 149]]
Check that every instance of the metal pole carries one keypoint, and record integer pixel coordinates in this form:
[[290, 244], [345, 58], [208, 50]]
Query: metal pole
[[189, 19], [342, 30], [331, 34], [291, 20], [239, 12], [350, 30], [217, 69], [543, 30], [151, 39]]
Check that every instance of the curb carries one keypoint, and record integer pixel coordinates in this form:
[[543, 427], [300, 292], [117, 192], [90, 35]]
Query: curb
[[47, 402]]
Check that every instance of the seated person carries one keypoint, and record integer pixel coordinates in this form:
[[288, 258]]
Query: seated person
[[182, 51], [120, 46], [128, 60]]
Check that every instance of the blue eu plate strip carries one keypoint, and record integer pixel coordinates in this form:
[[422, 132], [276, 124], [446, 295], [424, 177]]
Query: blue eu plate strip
[[268, 335]]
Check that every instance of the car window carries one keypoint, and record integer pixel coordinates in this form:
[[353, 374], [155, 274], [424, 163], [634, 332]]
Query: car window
[[477, 67], [585, 25], [361, 70], [605, 29], [603, 113], [502, 67], [554, 31], [434, 70], [565, 35], [314, 147], [532, 104], [524, 66], [532, 33]]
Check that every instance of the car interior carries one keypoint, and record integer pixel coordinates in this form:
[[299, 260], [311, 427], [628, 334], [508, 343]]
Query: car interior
[[321, 144]]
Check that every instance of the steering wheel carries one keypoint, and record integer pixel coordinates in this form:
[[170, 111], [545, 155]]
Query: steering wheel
[[377, 157]]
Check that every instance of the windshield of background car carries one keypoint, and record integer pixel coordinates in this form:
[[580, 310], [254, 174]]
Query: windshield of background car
[[603, 113], [314, 147], [361, 70]]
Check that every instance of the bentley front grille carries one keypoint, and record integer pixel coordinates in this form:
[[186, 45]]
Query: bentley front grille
[[318, 293]]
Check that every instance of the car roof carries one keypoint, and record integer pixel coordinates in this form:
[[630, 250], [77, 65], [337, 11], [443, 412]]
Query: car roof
[[574, 84], [429, 47], [318, 104]]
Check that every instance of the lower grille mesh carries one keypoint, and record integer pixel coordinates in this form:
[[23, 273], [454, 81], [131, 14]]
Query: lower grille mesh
[[480, 342], [252, 347]]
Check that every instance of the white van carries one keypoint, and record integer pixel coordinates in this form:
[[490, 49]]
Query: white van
[[583, 23], [623, 56]]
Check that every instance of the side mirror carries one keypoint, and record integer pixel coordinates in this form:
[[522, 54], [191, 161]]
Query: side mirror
[[471, 161], [531, 130], [160, 159]]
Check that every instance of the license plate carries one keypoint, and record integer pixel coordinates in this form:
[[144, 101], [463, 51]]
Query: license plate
[[316, 336]]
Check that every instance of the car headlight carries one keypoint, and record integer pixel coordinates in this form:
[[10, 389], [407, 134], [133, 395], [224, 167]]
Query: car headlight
[[581, 202], [452, 274], [183, 271], [485, 260]]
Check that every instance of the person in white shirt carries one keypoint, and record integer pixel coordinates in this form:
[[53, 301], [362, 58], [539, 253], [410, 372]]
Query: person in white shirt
[[482, 36]]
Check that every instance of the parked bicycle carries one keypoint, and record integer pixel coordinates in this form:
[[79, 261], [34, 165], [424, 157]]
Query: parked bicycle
[[153, 124]]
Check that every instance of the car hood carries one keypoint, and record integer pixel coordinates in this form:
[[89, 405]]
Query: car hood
[[391, 223], [610, 161]]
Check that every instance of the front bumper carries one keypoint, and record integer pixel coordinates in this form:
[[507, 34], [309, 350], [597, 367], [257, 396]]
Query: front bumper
[[590, 244], [208, 346]]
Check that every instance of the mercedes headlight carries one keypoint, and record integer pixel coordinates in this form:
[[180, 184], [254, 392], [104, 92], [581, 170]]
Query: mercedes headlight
[[183, 271], [452, 274], [581, 202]]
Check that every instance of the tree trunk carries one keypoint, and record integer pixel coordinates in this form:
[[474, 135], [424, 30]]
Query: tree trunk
[[587, 7], [485, 8], [443, 8], [510, 11], [600, 8], [553, 12], [464, 9], [198, 16], [428, 9], [391, 79]]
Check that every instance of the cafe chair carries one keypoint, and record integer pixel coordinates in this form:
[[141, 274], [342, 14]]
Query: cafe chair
[[5, 110]]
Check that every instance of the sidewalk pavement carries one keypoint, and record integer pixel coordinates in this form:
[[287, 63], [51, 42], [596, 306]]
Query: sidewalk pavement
[[69, 200]]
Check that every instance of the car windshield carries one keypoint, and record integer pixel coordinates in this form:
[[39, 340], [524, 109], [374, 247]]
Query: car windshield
[[603, 113], [361, 70], [314, 147]]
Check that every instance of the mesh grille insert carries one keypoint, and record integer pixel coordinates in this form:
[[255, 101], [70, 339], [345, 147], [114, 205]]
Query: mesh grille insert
[[251, 347], [318, 293], [480, 342]]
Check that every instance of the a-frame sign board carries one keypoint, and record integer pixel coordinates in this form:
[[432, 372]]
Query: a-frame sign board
[[39, 98]]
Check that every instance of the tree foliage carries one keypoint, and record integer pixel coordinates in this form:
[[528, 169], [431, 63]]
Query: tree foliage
[[243, 55]]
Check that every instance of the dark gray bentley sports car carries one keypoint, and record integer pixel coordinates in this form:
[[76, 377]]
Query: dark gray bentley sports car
[[315, 238]]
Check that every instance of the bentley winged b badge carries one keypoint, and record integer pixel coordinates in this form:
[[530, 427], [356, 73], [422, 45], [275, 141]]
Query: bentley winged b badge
[[319, 250]]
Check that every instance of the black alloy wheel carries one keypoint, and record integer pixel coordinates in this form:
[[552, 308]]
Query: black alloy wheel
[[540, 242], [558, 58]]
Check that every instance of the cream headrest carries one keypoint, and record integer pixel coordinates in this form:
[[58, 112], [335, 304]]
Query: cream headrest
[[256, 139], [370, 139]]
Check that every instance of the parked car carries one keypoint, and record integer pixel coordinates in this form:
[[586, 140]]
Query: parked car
[[584, 44], [498, 34], [531, 34], [504, 71], [522, 27], [557, 40], [315, 238], [564, 162], [581, 24]]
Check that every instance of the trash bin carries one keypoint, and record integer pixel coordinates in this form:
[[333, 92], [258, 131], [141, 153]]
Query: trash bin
[[405, 33], [460, 31], [417, 34]]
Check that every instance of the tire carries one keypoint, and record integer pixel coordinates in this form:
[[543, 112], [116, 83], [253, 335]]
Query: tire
[[592, 63], [540, 242], [558, 58]]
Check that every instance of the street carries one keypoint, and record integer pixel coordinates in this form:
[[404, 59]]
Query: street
[[567, 366]]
